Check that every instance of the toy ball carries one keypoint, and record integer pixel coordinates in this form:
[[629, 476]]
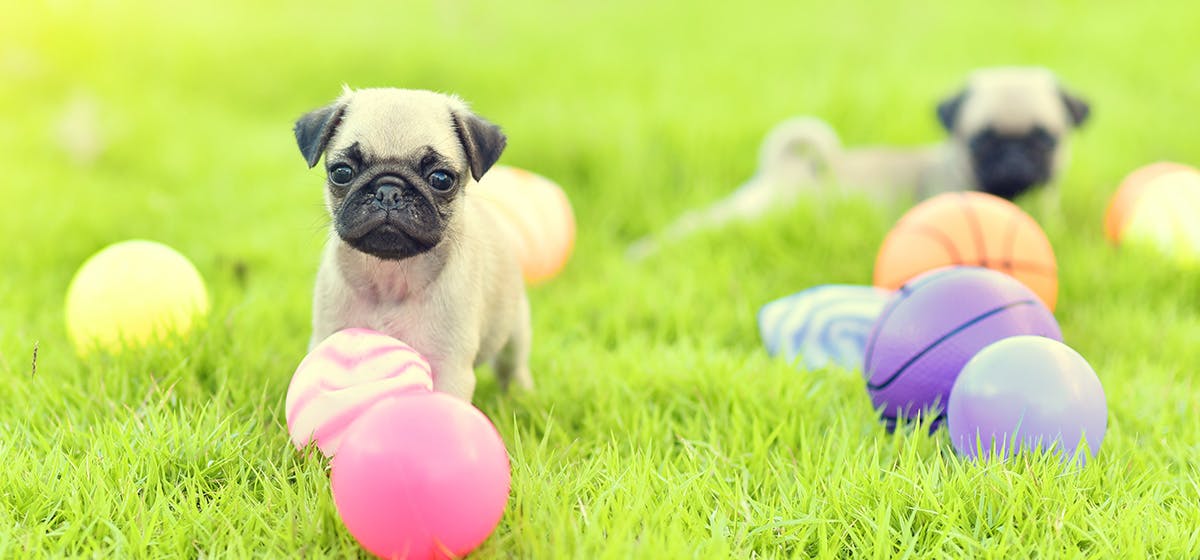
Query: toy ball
[[933, 325], [131, 293], [1166, 217], [342, 377], [1116, 216], [822, 326], [538, 216], [421, 476], [1024, 393], [969, 228]]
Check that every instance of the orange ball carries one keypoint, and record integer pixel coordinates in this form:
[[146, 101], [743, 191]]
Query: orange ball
[[538, 216], [971, 229], [1116, 217]]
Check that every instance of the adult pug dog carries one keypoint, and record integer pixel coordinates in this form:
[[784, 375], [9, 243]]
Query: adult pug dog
[[412, 252], [1008, 133]]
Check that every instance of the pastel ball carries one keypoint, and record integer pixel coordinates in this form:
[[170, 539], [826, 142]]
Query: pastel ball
[[822, 326], [421, 476], [1025, 393], [537, 215], [1166, 217], [1116, 216], [344, 376], [936, 323], [131, 293]]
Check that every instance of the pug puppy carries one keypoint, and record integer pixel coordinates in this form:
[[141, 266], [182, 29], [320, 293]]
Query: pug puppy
[[1011, 126], [412, 252], [1008, 129]]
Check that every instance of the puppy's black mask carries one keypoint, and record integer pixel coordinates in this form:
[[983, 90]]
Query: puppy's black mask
[[392, 208], [396, 206], [1008, 165]]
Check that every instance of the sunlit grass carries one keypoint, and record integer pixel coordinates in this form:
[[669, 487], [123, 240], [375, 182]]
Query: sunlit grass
[[660, 429]]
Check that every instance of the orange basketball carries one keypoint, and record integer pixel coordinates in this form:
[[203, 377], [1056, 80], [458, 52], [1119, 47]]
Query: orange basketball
[[537, 214], [1131, 188], [973, 229]]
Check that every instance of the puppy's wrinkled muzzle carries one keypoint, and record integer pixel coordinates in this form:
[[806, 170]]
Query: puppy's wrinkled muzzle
[[390, 220]]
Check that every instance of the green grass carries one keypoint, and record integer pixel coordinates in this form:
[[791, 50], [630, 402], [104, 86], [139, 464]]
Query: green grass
[[660, 429]]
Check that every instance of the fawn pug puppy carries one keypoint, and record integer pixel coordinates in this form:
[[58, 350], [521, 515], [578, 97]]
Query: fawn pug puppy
[[1008, 133], [412, 252]]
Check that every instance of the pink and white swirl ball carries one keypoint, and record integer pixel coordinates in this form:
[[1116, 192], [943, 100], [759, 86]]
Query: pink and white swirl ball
[[343, 377]]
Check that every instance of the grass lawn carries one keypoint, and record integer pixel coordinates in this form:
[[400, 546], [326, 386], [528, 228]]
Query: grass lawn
[[660, 428]]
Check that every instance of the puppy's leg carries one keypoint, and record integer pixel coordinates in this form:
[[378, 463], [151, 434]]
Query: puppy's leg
[[456, 380], [512, 363], [1052, 203], [1046, 206], [330, 300]]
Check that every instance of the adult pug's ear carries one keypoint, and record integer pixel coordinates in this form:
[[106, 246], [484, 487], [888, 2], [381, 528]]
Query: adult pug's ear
[[1076, 107], [947, 110], [482, 141], [314, 130]]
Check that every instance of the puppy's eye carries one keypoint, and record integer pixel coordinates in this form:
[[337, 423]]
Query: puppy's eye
[[341, 174], [441, 180]]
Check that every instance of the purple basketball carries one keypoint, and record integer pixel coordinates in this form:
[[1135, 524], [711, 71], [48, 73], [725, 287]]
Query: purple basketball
[[933, 325]]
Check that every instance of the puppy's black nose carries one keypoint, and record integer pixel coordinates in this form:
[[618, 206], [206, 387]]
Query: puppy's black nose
[[387, 197]]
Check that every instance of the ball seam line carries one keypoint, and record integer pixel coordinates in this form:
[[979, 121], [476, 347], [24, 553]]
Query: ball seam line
[[1010, 241], [1033, 268], [972, 219], [940, 236], [944, 338]]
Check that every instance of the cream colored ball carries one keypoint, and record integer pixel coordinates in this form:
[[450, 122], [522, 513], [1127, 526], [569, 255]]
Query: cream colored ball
[[1166, 217], [537, 216], [131, 293]]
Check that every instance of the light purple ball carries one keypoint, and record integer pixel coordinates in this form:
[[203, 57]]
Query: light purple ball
[[1027, 392], [933, 325]]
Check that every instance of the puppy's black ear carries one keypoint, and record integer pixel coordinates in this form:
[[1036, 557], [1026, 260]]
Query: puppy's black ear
[[1076, 107], [482, 141], [314, 130], [947, 110]]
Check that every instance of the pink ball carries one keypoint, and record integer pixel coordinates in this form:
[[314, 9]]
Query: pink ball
[[344, 376], [421, 476]]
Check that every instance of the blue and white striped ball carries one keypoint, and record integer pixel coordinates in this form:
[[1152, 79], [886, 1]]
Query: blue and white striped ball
[[822, 326]]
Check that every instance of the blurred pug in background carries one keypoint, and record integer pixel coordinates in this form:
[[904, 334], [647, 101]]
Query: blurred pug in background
[[1008, 128]]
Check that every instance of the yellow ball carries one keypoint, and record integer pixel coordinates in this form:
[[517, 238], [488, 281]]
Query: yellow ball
[[1166, 217], [131, 293]]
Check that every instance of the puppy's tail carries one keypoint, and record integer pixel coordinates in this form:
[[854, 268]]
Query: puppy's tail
[[799, 142]]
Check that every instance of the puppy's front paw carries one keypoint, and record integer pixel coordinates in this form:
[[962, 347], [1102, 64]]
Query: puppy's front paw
[[521, 377], [458, 383]]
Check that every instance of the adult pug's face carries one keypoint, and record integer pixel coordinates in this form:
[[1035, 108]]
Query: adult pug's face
[[1014, 124], [396, 164]]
